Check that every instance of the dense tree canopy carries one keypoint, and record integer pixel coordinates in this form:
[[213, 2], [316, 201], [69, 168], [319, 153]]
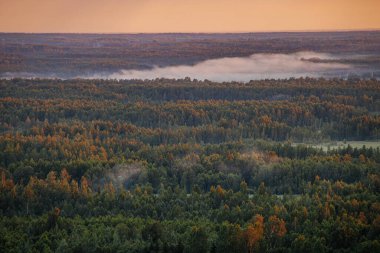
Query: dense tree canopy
[[189, 166]]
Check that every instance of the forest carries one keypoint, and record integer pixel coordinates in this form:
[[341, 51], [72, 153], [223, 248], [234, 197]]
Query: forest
[[72, 55], [183, 165]]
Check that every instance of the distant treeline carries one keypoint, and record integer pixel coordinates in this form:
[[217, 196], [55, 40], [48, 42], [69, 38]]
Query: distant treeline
[[70, 55]]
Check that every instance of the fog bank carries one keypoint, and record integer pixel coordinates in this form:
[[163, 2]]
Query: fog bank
[[256, 66]]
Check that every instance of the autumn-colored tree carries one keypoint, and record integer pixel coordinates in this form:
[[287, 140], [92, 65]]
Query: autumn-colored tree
[[51, 178], [65, 180], [103, 154], [84, 186], [326, 210], [254, 233], [110, 190], [220, 191], [347, 158], [362, 158], [74, 188], [277, 226]]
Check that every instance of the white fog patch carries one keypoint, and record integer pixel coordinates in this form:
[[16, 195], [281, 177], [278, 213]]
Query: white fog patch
[[123, 172], [244, 69], [256, 66]]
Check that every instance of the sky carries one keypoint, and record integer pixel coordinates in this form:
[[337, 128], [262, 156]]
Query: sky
[[158, 16]]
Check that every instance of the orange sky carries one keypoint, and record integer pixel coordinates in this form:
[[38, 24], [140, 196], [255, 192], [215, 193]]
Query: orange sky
[[134, 16]]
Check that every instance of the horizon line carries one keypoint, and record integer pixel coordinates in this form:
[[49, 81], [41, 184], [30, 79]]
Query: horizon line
[[209, 32]]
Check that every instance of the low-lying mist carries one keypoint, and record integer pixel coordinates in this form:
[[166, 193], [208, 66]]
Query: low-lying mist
[[256, 66], [243, 69]]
